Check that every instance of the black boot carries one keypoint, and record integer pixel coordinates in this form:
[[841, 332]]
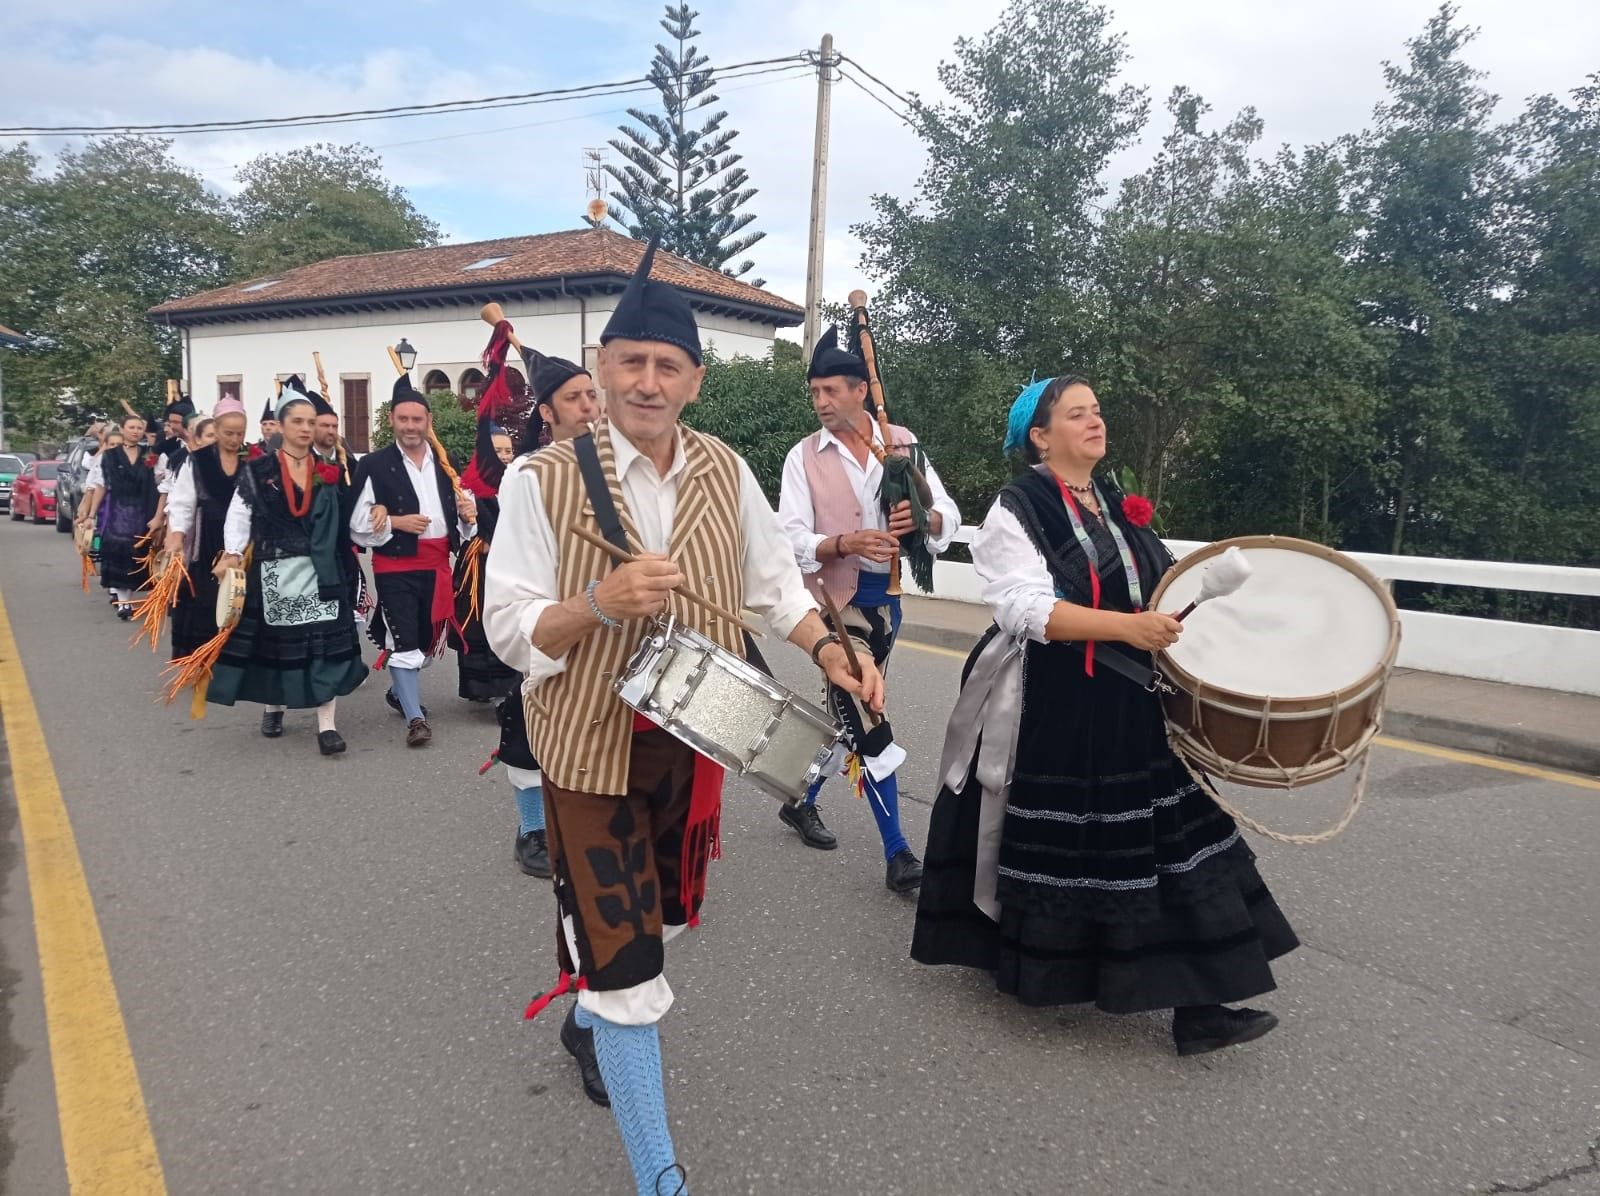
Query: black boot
[[904, 872], [1197, 1029], [808, 823], [272, 723], [533, 854], [330, 743], [580, 1045]]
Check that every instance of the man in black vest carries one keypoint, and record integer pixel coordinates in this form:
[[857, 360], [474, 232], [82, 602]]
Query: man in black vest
[[407, 511]]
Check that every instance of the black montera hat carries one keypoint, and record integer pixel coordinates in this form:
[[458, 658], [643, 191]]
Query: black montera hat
[[653, 311]]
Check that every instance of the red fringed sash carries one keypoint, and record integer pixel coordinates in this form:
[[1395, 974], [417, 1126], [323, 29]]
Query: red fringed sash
[[702, 833]]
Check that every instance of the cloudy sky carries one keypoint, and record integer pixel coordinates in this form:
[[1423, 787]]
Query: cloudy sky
[[1312, 71]]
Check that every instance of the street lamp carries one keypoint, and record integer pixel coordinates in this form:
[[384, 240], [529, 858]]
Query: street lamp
[[406, 354]]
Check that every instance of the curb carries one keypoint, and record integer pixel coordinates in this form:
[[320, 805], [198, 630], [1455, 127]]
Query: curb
[[1507, 743]]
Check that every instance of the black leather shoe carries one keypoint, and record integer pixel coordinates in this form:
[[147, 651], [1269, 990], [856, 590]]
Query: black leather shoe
[[533, 854], [272, 724], [1218, 1026], [673, 1181], [394, 703], [580, 1045], [808, 823], [904, 872], [124, 612], [330, 743]]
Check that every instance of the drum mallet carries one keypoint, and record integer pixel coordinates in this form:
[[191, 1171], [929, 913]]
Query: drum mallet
[[1221, 577]]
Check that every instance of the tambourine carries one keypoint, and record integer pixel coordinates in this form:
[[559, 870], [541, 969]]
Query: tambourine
[[230, 596]]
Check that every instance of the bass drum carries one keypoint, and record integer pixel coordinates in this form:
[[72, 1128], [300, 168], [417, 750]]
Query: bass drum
[[1281, 683]]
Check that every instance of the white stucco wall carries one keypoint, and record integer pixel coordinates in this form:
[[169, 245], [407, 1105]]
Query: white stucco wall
[[446, 339]]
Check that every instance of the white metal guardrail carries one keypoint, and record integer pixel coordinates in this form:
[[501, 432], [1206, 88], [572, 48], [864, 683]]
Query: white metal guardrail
[[1560, 658]]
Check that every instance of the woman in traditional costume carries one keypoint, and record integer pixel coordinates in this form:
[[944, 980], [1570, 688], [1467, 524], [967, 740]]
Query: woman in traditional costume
[[197, 507], [295, 646], [481, 676], [1071, 854], [122, 507]]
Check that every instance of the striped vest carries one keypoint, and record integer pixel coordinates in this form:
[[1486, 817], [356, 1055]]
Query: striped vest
[[580, 730]]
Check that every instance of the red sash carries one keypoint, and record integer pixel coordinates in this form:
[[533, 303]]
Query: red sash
[[433, 556], [702, 837]]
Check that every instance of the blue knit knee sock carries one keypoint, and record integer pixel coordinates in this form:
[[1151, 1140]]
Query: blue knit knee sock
[[884, 798], [816, 788], [630, 1063], [530, 807], [408, 690]]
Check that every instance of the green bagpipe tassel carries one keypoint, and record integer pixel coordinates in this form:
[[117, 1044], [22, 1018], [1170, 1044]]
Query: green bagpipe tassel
[[897, 487]]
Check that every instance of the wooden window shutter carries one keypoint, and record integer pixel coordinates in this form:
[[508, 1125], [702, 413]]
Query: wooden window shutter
[[357, 414]]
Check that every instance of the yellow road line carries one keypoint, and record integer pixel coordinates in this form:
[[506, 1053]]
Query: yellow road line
[[1522, 770], [1404, 745], [105, 1131]]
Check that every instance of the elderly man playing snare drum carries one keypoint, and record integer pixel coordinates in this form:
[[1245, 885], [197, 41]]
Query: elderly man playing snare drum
[[633, 812]]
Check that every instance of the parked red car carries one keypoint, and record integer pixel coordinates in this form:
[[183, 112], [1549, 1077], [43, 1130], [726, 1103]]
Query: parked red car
[[33, 495]]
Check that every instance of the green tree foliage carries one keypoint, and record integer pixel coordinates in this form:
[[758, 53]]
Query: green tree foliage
[[317, 202], [456, 428], [681, 178], [758, 405], [119, 226], [1390, 342], [84, 252]]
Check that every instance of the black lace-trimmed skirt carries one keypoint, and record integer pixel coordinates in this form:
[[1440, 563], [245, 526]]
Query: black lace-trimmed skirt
[[1120, 881]]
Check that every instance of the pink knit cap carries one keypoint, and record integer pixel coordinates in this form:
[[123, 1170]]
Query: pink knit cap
[[227, 407]]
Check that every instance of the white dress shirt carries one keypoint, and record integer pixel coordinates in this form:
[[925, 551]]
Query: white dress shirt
[[97, 474], [1017, 586], [425, 481], [181, 500], [165, 478], [521, 577], [797, 515]]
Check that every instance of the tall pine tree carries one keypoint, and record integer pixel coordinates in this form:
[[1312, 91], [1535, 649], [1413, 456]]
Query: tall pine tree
[[680, 179]]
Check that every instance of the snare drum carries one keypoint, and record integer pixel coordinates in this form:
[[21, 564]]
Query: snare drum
[[728, 710], [230, 597], [1281, 683]]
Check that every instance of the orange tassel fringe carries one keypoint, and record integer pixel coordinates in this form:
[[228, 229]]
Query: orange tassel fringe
[[151, 610]]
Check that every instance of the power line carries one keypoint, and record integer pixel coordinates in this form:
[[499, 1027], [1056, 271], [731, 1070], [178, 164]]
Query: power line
[[877, 99], [803, 70], [399, 112], [853, 62]]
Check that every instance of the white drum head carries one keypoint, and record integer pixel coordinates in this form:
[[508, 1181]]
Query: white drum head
[[1300, 627]]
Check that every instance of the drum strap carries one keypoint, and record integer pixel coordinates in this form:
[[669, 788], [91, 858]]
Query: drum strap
[[1141, 675], [594, 482]]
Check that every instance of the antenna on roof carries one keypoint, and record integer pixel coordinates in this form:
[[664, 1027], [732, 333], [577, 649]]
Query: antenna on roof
[[594, 175]]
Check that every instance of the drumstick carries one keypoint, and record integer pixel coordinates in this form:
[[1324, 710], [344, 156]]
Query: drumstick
[[847, 643], [626, 558]]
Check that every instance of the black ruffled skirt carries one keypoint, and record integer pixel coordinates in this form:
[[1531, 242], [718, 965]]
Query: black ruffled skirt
[[1120, 881]]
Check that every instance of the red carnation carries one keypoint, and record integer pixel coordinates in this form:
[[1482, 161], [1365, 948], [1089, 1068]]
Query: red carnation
[[256, 451], [328, 473], [1137, 510], [150, 460]]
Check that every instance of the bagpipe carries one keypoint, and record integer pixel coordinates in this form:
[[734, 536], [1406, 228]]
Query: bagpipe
[[905, 466]]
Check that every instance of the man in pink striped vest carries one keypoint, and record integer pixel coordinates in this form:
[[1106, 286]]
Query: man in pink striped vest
[[844, 541]]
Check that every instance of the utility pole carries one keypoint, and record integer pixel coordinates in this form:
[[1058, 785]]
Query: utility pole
[[819, 197]]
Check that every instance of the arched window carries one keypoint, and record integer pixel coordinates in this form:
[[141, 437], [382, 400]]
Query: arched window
[[436, 380], [471, 386]]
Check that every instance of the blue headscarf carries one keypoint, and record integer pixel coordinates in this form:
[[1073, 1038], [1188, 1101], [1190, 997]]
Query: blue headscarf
[[1022, 413]]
